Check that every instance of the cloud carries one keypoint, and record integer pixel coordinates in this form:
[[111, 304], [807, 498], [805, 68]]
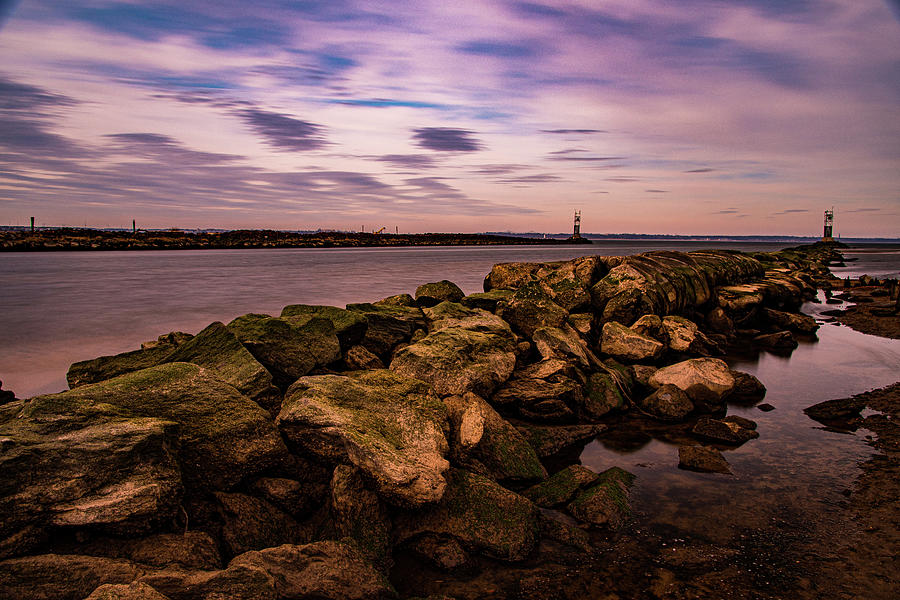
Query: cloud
[[657, 191], [569, 151], [540, 178], [446, 139], [703, 170], [500, 169], [283, 132], [791, 211], [861, 210], [586, 158], [154, 145], [727, 211], [409, 161], [20, 96], [573, 131], [622, 179], [501, 49]]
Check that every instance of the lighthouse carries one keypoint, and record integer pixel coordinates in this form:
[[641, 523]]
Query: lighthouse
[[828, 234]]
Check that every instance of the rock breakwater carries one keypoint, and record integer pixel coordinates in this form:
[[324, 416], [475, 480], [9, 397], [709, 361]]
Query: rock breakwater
[[301, 456]]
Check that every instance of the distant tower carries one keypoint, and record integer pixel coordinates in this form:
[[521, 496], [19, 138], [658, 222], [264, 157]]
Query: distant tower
[[32, 224], [133, 226], [828, 236], [577, 233]]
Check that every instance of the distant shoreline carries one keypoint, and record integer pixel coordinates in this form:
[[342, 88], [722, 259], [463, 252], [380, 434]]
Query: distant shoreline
[[99, 240], [81, 239]]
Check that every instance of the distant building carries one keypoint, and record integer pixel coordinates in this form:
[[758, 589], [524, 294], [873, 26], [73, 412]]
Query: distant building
[[577, 233], [828, 234]]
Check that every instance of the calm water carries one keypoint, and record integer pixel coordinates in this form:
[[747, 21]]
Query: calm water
[[62, 307], [794, 465]]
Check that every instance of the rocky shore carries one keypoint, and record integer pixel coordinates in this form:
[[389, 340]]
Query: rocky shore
[[417, 445], [94, 239]]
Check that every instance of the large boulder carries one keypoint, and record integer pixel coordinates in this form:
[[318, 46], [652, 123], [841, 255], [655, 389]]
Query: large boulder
[[552, 400], [563, 343], [107, 367], [604, 393], [796, 322], [624, 343], [219, 350], [484, 442], [605, 502], [567, 283], [388, 325], [552, 440], [357, 513], [287, 351], [667, 282], [189, 549], [451, 314], [683, 336], [324, 570], [250, 523], [429, 294], [562, 487], [704, 380], [238, 582], [78, 464], [122, 591], [530, 308], [486, 300], [480, 514], [390, 426], [349, 326], [61, 577], [456, 361], [224, 436], [667, 403]]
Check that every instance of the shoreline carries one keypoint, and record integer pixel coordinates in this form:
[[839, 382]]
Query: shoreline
[[547, 357], [96, 240]]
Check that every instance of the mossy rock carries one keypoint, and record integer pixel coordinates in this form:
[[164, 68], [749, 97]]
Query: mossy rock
[[350, 327], [216, 348], [287, 351], [486, 300], [390, 426], [483, 516], [388, 325], [106, 367], [429, 294], [561, 487], [531, 308], [606, 502], [225, 436], [456, 361], [602, 396], [453, 314], [484, 442]]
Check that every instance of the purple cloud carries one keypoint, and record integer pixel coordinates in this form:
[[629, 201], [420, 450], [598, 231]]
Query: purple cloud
[[283, 132], [446, 139]]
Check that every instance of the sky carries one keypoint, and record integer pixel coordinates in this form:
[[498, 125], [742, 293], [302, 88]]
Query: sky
[[740, 117]]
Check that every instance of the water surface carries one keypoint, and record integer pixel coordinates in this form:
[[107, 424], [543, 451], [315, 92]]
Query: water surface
[[57, 308]]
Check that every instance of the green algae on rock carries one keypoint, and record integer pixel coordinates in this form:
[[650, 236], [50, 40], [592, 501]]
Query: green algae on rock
[[390, 426]]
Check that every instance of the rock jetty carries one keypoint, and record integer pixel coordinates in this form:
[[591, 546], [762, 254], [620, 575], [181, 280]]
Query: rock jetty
[[302, 455]]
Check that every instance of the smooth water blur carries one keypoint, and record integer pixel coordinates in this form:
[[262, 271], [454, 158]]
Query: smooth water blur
[[796, 465], [878, 260], [57, 308]]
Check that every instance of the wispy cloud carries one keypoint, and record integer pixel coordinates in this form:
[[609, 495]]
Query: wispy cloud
[[283, 132], [446, 139]]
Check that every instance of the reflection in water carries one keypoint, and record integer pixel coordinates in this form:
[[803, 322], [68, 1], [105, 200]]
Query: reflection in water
[[796, 464]]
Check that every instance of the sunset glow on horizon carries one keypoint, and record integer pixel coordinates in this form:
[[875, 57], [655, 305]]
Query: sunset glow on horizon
[[731, 117]]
